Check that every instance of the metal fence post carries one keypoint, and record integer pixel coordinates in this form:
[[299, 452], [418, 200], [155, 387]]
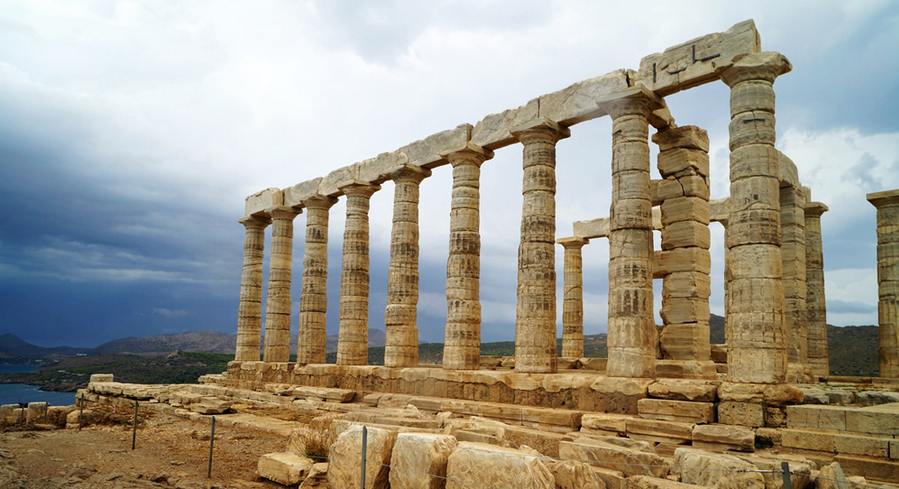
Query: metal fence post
[[81, 413], [211, 442], [134, 428], [786, 473], [364, 450]]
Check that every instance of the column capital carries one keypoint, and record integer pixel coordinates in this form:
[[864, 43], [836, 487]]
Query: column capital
[[541, 128], [637, 100], [319, 202], [409, 173], [815, 209], [573, 242], [765, 66], [283, 212], [257, 222], [358, 187], [886, 198], [467, 152]]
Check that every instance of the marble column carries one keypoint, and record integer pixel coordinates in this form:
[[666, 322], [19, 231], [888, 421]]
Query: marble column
[[249, 316], [535, 323], [793, 251], [462, 348], [573, 298], [278, 303], [887, 204], [815, 301], [633, 335], [352, 342], [312, 337], [684, 339], [401, 349], [757, 336]]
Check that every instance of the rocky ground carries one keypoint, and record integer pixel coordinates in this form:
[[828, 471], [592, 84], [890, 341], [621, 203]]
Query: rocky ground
[[169, 452]]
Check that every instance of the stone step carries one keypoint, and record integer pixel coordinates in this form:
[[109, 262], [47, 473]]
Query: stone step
[[882, 419], [681, 411], [871, 468], [841, 442]]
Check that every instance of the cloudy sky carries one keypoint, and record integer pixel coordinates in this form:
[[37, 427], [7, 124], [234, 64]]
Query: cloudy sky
[[130, 133]]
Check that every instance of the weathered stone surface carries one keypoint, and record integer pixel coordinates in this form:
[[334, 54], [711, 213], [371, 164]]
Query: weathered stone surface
[[419, 460], [101, 378], [626, 460], [771, 469], [722, 437], [211, 405], [284, 468], [683, 411], [871, 468], [685, 390], [262, 200], [428, 152], [317, 477], [577, 103], [571, 474], [882, 419], [664, 431], [813, 416], [619, 395], [492, 132], [820, 440], [772, 394], [480, 464], [869, 446], [741, 413], [644, 482], [346, 458], [296, 195], [721, 471], [606, 422], [594, 228], [831, 477]]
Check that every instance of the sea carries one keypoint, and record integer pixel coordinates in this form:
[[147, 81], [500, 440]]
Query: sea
[[24, 393]]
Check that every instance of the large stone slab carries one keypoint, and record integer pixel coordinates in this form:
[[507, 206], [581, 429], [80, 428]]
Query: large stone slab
[[660, 431], [477, 464], [577, 103], [682, 411], [626, 460], [346, 458], [606, 421], [685, 390], [419, 460], [721, 471], [287, 469], [260, 201], [426, 152], [882, 419], [571, 474], [492, 132], [816, 416], [723, 437]]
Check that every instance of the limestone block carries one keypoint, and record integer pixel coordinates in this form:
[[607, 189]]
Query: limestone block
[[686, 233], [295, 195], [882, 419], [606, 422], [619, 394], [259, 202], [480, 464], [741, 413], [667, 430], [826, 417], [684, 411], [820, 440], [546, 442], [680, 310], [492, 132], [690, 137], [872, 468], [685, 209], [683, 161], [426, 152], [787, 172], [594, 228], [687, 285], [419, 460], [772, 394], [696, 62], [324, 393], [571, 474], [284, 468], [37, 412], [101, 378], [721, 471], [723, 437], [627, 460], [869, 446], [680, 260], [317, 477], [593, 363], [346, 456], [771, 469], [379, 168], [894, 449], [831, 477], [577, 103], [331, 183], [685, 390]]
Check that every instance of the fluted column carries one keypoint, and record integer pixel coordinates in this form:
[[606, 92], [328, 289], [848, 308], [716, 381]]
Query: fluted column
[[277, 306], [462, 348], [573, 298], [815, 301], [249, 316], [401, 349], [535, 323], [792, 224], [312, 337], [633, 336], [352, 342], [684, 159], [887, 204], [757, 339]]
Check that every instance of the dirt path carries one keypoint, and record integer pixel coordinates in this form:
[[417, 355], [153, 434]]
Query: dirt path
[[170, 452]]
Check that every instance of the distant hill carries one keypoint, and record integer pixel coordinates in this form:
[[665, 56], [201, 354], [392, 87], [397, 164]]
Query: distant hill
[[11, 346]]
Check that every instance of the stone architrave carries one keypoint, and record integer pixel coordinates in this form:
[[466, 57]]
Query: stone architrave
[[633, 335], [249, 316], [277, 306], [793, 254], [312, 337], [815, 300], [401, 349], [684, 339], [463, 305], [573, 296], [756, 333], [352, 342], [887, 204], [535, 324]]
